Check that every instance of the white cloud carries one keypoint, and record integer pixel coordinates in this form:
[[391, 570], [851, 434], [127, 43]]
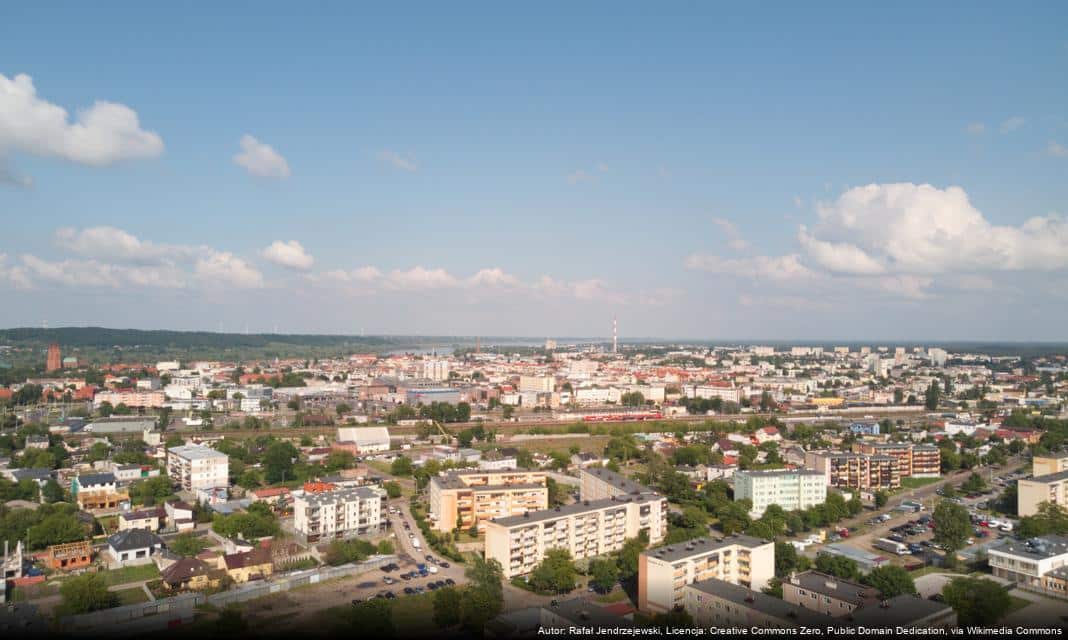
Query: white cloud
[[779, 268], [1012, 124], [493, 277], [289, 254], [841, 258], [418, 278], [1056, 149], [921, 229], [100, 135], [115, 245], [14, 275], [734, 237], [261, 159], [397, 161], [976, 128], [222, 268]]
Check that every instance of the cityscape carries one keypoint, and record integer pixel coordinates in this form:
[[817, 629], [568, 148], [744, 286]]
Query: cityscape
[[502, 321]]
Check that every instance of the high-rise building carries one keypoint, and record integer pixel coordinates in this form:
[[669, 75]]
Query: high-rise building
[[791, 490], [54, 362]]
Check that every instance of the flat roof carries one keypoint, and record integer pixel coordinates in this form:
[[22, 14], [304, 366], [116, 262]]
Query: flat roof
[[577, 508], [697, 546], [196, 452], [1050, 477], [762, 602], [1035, 548], [617, 480]]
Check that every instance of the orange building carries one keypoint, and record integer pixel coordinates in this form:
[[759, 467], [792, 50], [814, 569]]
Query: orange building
[[54, 362], [70, 556]]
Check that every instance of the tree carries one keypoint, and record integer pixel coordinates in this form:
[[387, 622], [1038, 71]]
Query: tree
[[151, 490], [393, 489], [484, 597], [632, 399], [1049, 519], [735, 517], [629, 554], [85, 593], [231, 621], [838, 566], [401, 466], [342, 408], [278, 462], [932, 396], [53, 492], [891, 581], [974, 484], [881, 498], [977, 601], [188, 544], [447, 607], [787, 559], [555, 574], [603, 574], [677, 618], [952, 527]]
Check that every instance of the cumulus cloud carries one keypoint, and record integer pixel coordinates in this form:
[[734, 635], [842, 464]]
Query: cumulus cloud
[[976, 128], [289, 254], [734, 237], [1056, 149], [397, 161], [13, 275], [909, 228], [116, 245], [261, 160], [494, 277], [222, 268], [100, 135]]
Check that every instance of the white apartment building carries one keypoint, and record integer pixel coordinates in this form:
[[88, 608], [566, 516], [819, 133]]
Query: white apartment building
[[585, 529], [1039, 564], [727, 393], [664, 572], [436, 369], [598, 483], [791, 490], [198, 467], [536, 384], [335, 515], [596, 395]]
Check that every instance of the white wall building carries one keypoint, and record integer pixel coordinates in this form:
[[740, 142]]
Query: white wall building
[[198, 467], [791, 490]]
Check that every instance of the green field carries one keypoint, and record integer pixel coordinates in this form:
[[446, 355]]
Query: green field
[[133, 595], [916, 483], [130, 574]]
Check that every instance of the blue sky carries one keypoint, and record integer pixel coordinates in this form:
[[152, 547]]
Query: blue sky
[[773, 171]]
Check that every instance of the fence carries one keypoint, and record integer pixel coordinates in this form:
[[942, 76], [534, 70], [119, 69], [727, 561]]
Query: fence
[[280, 583], [135, 618]]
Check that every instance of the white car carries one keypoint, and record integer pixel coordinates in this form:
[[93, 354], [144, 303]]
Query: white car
[[432, 569]]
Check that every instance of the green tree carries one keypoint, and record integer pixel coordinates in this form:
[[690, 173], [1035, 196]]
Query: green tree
[[974, 484], [881, 498], [85, 593], [952, 527], [555, 574], [632, 399], [838, 566], [53, 492], [977, 601], [278, 462], [932, 396], [373, 619], [447, 604], [484, 597], [402, 466], [603, 574], [393, 489], [188, 544], [891, 581], [629, 554], [735, 517], [231, 621]]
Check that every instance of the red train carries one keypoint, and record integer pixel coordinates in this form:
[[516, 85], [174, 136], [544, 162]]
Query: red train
[[623, 417]]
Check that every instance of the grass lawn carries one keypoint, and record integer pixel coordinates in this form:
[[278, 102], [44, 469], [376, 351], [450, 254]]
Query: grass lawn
[[130, 574], [916, 483], [380, 466], [616, 595], [133, 595], [1017, 604]]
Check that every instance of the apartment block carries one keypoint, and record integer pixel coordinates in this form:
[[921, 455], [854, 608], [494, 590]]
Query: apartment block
[[1039, 564], [465, 498], [913, 460], [827, 594], [585, 529], [791, 490], [855, 470], [197, 467], [600, 484], [665, 571], [1031, 492], [335, 515], [1048, 465]]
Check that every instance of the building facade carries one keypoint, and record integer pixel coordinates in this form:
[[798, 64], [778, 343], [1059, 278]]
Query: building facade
[[339, 514], [855, 470], [791, 490], [585, 529], [665, 571], [469, 498], [195, 467]]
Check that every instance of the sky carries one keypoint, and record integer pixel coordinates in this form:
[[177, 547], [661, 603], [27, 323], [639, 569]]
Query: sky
[[696, 170]]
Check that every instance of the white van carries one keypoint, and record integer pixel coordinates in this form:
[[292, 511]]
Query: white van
[[1006, 526]]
